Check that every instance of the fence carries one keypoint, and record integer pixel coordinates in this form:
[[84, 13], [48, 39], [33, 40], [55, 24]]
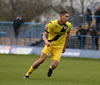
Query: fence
[[85, 42], [31, 33]]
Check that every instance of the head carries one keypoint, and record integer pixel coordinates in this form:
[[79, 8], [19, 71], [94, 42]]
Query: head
[[99, 8], [80, 26], [64, 16], [18, 16]]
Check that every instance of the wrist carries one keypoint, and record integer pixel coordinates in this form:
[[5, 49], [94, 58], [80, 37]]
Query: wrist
[[46, 41]]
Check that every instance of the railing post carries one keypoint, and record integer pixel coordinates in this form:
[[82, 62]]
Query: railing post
[[5, 38], [11, 34], [29, 38], [2, 27], [88, 42], [81, 41], [83, 20], [94, 42], [70, 41], [76, 40], [24, 40]]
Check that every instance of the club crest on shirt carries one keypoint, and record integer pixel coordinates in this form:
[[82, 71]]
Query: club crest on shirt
[[65, 27]]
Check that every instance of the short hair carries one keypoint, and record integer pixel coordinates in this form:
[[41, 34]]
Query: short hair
[[63, 12]]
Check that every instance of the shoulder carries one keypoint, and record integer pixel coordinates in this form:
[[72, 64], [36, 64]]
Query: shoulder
[[54, 21], [68, 23]]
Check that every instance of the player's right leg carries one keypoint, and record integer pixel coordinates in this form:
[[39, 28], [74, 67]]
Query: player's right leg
[[53, 65], [35, 65], [56, 56]]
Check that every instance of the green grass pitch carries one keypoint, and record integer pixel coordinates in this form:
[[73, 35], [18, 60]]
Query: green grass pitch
[[70, 71]]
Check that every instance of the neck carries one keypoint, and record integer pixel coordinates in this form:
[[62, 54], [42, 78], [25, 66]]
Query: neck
[[61, 23]]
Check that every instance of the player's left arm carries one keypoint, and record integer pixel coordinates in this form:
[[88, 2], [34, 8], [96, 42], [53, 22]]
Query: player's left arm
[[67, 36]]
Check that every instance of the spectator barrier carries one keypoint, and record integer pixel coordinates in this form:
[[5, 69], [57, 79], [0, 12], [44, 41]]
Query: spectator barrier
[[31, 35]]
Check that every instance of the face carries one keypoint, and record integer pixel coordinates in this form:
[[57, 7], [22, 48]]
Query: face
[[64, 17]]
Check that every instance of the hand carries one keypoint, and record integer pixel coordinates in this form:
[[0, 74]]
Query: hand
[[63, 50], [47, 43]]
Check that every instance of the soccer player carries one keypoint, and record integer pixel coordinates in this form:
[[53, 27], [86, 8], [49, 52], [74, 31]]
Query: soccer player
[[58, 33]]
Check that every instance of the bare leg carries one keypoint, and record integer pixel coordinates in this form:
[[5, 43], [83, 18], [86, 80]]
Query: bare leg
[[39, 61], [53, 65], [35, 65]]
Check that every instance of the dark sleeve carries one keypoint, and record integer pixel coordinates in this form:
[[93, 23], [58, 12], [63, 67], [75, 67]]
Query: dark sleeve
[[22, 21], [46, 31]]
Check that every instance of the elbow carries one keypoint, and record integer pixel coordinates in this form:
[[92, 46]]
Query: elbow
[[44, 36]]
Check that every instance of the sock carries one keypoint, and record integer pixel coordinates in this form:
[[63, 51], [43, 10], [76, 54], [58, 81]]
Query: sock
[[51, 67], [30, 71]]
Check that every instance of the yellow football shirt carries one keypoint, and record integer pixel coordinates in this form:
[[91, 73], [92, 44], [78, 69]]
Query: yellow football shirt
[[57, 33]]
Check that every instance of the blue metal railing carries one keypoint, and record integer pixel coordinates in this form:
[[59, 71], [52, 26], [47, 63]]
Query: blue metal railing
[[89, 43], [30, 31], [3, 34], [27, 30]]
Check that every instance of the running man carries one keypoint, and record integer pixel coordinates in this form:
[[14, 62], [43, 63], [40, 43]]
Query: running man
[[58, 33]]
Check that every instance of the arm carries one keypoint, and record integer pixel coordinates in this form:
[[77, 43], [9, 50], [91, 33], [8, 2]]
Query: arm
[[47, 43], [67, 36], [78, 31]]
